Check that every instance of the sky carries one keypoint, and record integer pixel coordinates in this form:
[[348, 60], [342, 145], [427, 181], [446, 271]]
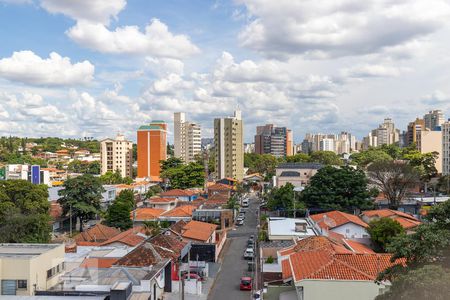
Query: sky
[[94, 68]]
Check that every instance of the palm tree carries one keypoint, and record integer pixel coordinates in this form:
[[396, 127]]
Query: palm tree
[[152, 227], [233, 204]]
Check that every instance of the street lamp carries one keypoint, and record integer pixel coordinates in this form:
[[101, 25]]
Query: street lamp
[[297, 189]]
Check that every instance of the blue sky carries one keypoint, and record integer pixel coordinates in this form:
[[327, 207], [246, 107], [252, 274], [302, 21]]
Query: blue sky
[[97, 67]]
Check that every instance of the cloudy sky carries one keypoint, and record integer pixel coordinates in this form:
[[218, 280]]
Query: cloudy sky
[[97, 67]]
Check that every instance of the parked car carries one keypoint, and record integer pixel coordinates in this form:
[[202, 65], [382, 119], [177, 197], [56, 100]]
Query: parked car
[[241, 215], [239, 222], [251, 238], [246, 284], [192, 276], [249, 253], [245, 203]]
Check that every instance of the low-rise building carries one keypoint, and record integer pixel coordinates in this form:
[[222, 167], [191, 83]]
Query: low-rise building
[[407, 221], [183, 195], [350, 226], [298, 174], [162, 203], [289, 229], [178, 213], [27, 268]]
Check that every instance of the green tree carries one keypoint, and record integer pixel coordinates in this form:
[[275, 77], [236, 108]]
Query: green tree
[[298, 158], [424, 163], [170, 163], [382, 231], [427, 282], [127, 196], [342, 188], [364, 158], [264, 164], [81, 195], [24, 212], [326, 158], [115, 178], [283, 198], [153, 191], [233, 203], [184, 176], [152, 228], [119, 214], [394, 179]]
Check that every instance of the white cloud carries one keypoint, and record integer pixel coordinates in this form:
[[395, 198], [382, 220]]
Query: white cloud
[[368, 70], [323, 29], [436, 98], [156, 40], [29, 68], [165, 66], [89, 10]]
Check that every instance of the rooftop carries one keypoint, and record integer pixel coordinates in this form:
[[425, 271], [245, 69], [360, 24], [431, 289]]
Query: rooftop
[[200, 231], [315, 166], [180, 212], [333, 219], [286, 227], [98, 233], [178, 192], [147, 213], [25, 251]]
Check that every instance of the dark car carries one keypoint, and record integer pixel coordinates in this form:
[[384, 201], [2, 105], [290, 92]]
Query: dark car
[[246, 284]]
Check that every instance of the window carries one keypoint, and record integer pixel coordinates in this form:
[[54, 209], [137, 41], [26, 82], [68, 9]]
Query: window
[[22, 284]]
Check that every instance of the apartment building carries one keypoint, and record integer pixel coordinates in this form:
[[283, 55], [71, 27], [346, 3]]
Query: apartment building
[[385, 134], [26, 268], [446, 148], [151, 149], [431, 141], [229, 147], [341, 143], [117, 155], [277, 141], [433, 119], [414, 130], [187, 138]]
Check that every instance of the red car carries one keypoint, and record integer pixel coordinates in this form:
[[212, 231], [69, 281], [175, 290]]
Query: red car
[[192, 276], [246, 284]]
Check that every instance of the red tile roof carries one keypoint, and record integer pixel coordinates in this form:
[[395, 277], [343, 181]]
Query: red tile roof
[[147, 213], [98, 262], [98, 233], [161, 200], [407, 223], [55, 210], [200, 231], [286, 269], [153, 251], [178, 226], [220, 187], [217, 199], [178, 193], [333, 219], [327, 266], [128, 237], [358, 247], [387, 213], [180, 211], [315, 243]]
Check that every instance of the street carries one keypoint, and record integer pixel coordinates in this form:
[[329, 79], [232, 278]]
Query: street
[[234, 265]]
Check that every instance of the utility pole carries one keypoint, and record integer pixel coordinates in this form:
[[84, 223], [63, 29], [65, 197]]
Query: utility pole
[[70, 213]]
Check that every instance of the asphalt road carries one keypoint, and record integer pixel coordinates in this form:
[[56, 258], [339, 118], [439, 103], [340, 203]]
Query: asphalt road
[[234, 266]]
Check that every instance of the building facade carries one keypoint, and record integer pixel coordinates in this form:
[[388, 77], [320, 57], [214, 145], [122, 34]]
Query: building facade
[[187, 138], [385, 134], [273, 140], [117, 154], [446, 148], [414, 130], [151, 149], [433, 119], [341, 143], [431, 141], [229, 146]]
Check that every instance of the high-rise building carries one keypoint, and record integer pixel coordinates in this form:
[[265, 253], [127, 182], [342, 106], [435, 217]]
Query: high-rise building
[[385, 134], [187, 138], [117, 155], [327, 144], [151, 149], [431, 141], [414, 129], [273, 140], [446, 148], [229, 146], [433, 119], [341, 143]]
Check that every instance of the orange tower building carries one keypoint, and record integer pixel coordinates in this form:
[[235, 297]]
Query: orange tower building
[[151, 149]]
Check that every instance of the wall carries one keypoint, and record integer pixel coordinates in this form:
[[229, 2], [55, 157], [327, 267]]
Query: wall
[[339, 289], [355, 231], [431, 141]]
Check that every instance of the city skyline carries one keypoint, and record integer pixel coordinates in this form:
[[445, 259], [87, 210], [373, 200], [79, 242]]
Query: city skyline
[[209, 58]]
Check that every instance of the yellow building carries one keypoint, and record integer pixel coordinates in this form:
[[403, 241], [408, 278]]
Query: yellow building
[[26, 268]]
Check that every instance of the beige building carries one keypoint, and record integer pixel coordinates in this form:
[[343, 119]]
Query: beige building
[[229, 147], [26, 268], [385, 134], [117, 155], [431, 141], [187, 138], [298, 174]]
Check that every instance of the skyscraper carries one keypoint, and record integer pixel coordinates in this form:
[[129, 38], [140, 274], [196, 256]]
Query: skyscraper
[[273, 140], [433, 119], [385, 134], [229, 146], [117, 154], [414, 129], [187, 138], [151, 149]]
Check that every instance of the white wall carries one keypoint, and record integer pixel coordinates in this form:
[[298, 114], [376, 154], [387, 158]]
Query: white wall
[[351, 230], [339, 289]]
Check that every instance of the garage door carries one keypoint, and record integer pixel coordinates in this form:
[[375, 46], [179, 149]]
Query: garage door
[[8, 287]]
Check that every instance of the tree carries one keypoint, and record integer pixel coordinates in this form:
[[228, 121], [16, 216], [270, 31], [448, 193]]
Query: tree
[[326, 158], [283, 198], [84, 167], [152, 191], [115, 178], [424, 163], [152, 228], [299, 157], [81, 195], [427, 282], [184, 176], [393, 179], [338, 189], [118, 214], [233, 204], [127, 197], [24, 212], [170, 163], [382, 231], [365, 158]]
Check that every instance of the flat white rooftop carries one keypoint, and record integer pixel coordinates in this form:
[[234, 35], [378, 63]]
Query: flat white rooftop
[[285, 227], [26, 251]]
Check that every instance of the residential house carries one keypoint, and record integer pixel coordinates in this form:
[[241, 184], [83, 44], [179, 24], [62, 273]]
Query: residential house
[[143, 214], [298, 174], [289, 229], [96, 234], [182, 195], [407, 221], [27, 268], [220, 189], [165, 204], [214, 213], [178, 213], [350, 226]]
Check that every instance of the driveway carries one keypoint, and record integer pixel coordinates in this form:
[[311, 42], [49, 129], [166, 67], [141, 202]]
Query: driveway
[[234, 266]]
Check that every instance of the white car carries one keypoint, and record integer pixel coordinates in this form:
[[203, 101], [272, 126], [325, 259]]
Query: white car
[[245, 203], [249, 253]]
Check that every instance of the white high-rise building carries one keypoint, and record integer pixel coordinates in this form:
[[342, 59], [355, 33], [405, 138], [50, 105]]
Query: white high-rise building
[[187, 138], [433, 119], [446, 148], [327, 144], [117, 155], [385, 134], [341, 143]]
